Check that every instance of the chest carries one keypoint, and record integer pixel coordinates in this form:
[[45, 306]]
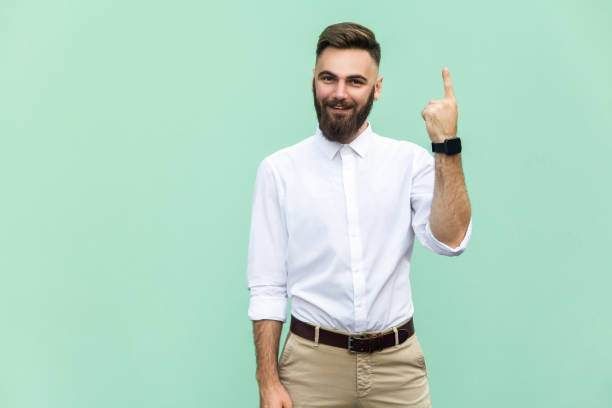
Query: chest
[[322, 200]]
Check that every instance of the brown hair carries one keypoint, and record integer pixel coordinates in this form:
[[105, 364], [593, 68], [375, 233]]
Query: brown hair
[[349, 35]]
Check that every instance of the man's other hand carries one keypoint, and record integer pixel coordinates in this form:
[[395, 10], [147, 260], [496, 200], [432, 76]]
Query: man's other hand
[[274, 396]]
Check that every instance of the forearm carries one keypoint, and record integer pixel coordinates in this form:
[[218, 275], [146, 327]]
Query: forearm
[[267, 336], [450, 209]]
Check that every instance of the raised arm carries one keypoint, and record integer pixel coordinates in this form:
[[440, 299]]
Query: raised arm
[[450, 210]]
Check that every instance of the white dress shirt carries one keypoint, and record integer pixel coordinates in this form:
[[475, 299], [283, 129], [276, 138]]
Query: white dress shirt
[[333, 226]]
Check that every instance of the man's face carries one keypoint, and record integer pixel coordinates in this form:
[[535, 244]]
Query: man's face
[[344, 78]]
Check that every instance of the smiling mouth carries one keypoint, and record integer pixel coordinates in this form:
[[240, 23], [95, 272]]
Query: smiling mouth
[[338, 110]]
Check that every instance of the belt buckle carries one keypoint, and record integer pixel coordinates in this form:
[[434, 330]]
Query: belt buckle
[[350, 343], [352, 337]]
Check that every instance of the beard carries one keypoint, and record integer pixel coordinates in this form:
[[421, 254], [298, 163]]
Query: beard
[[340, 127]]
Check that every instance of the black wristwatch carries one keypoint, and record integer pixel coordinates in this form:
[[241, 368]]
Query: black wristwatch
[[450, 146]]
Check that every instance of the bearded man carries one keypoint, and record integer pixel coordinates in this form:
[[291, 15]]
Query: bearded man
[[333, 224]]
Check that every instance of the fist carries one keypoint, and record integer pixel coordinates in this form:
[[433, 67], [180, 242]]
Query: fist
[[440, 115]]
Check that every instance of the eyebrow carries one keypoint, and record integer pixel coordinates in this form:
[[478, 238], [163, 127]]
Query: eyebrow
[[348, 77]]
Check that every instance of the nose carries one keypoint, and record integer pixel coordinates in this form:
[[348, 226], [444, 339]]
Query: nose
[[340, 91]]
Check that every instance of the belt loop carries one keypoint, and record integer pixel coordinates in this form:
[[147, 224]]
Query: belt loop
[[316, 339], [396, 335]]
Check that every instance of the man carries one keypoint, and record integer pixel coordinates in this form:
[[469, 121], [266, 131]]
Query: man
[[333, 224]]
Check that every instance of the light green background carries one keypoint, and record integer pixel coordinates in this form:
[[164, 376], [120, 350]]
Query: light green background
[[130, 137]]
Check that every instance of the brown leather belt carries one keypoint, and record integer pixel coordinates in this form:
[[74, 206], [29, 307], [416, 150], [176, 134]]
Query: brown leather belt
[[355, 343]]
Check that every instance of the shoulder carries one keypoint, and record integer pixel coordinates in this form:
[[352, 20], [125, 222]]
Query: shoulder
[[281, 164], [405, 149]]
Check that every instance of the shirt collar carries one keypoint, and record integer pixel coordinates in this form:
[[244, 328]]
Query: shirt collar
[[359, 144]]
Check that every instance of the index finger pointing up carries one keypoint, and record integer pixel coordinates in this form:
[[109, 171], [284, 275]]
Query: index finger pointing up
[[448, 85]]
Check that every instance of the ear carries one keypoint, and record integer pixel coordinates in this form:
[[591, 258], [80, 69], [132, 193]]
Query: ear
[[378, 88]]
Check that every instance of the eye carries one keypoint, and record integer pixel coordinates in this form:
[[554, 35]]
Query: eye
[[356, 81]]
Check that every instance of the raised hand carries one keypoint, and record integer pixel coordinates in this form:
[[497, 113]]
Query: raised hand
[[440, 115]]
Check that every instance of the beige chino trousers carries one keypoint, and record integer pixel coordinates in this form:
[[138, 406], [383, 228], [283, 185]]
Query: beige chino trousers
[[320, 375]]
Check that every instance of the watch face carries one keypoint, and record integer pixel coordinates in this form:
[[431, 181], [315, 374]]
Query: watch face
[[453, 145]]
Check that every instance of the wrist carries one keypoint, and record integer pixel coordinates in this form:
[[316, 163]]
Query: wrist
[[269, 381], [442, 138]]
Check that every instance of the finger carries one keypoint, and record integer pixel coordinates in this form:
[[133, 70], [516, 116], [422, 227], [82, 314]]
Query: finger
[[448, 85]]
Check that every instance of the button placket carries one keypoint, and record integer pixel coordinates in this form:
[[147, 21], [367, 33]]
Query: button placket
[[348, 173]]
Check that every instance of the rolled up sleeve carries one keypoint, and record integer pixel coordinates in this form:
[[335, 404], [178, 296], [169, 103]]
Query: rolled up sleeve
[[421, 197], [266, 275]]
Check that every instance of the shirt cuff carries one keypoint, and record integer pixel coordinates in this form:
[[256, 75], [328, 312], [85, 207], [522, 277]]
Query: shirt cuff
[[443, 249], [267, 307]]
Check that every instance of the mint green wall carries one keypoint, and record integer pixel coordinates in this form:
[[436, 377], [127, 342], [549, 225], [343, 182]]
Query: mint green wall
[[130, 135]]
